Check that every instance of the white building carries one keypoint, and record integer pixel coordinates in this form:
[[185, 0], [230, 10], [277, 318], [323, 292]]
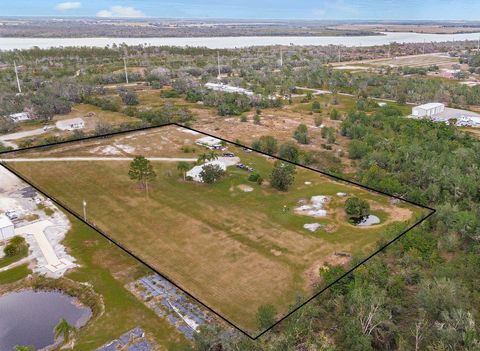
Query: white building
[[210, 142], [71, 124], [194, 173], [228, 88], [428, 110], [21, 117], [7, 229]]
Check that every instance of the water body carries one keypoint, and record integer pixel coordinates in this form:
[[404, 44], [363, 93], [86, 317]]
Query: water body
[[368, 220], [236, 42], [29, 317]]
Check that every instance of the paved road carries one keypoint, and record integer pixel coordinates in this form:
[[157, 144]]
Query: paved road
[[74, 159]]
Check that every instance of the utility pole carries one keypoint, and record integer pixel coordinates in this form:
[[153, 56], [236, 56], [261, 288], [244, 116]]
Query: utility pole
[[281, 57], [478, 44], [84, 210], [125, 67], [16, 75], [339, 55], [218, 64], [424, 46]]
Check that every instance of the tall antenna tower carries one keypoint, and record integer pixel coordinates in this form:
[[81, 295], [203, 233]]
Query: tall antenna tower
[[424, 46], [125, 68], [281, 57], [16, 75], [218, 64], [339, 55]]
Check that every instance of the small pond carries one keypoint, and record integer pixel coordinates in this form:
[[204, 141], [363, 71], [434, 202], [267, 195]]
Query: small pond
[[367, 220], [29, 317]]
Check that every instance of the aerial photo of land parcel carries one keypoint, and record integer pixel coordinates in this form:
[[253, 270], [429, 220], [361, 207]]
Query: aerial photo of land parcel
[[238, 244]]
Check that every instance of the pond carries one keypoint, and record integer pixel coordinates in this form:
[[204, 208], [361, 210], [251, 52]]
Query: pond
[[367, 220], [29, 317]]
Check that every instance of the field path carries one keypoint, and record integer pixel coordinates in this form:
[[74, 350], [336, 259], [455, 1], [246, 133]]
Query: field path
[[63, 159]]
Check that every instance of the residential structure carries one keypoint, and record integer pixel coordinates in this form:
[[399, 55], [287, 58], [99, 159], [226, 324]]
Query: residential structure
[[428, 110], [21, 117], [194, 173], [7, 229], [71, 124], [228, 88]]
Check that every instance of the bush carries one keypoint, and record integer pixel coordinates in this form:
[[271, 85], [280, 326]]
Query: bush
[[318, 121], [334, 114], [11, 250], [171, 93], [301, 134], [211, 173], [357, 208], [290, 152], [130, 98], [266, 144], [316, 107]]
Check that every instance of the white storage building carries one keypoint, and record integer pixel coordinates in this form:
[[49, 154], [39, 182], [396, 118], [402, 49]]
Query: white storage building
[[71, 124], [7, 229], [428, 110], [210, 142]]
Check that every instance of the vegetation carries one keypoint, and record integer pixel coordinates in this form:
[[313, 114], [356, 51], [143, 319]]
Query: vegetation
[[142, 172], [64, 330], [283, 176], [357, 208], [211, 173]]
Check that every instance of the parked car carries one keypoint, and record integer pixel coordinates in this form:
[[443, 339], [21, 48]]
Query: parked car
[[228, 154]]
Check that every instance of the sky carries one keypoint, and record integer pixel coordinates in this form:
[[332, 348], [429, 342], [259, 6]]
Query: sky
[[251, 9]]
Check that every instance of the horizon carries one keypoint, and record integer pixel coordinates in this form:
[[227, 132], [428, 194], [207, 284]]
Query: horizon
[[307, 10]]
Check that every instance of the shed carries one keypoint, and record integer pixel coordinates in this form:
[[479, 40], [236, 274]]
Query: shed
[[20, 117], [428, 110], [7, 229]]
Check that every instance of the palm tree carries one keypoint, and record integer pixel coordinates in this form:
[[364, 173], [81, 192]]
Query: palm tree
[[212, 155], [24, 348], [183, 167], [65, 330]]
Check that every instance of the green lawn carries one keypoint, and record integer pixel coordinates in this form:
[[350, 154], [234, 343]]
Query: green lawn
[[233, 250], [14, 274]]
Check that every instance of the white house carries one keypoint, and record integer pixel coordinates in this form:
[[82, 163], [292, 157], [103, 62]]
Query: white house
[[7, 229], [194, 173], [20, 117], [210, 142], [70, 124], [428, 110]]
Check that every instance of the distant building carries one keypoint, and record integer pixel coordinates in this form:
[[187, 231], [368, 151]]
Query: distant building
[[7, 229], [428, 110], [21, 117], [71, 124], [228, 88], [210, 142]]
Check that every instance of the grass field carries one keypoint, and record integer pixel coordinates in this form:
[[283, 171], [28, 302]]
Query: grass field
[[233, 250]]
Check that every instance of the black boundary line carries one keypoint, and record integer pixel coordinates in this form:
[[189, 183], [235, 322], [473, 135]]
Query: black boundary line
[[77, 216]]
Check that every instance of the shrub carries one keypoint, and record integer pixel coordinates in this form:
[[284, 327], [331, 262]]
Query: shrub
[[357, 208], [211, 173]]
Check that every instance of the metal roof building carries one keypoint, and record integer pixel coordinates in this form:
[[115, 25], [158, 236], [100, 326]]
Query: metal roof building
[[7, 229]]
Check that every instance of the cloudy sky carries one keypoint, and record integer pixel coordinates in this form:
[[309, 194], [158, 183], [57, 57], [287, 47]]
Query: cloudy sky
[[251, 9]]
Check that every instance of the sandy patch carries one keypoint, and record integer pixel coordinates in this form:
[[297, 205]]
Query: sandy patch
[[313, 227], [312, 274], [245, 188], [313, 208]]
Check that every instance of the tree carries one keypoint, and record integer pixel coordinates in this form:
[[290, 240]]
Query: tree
[[283, 176], [207, 156], [301, 134], [130, 98], [142, 171], [318, 121], [266, 316], [102, 128], [65, 330], [290, 152], [256, 119], [211, 173], [266, 144], [357, 208], [183, 167]]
